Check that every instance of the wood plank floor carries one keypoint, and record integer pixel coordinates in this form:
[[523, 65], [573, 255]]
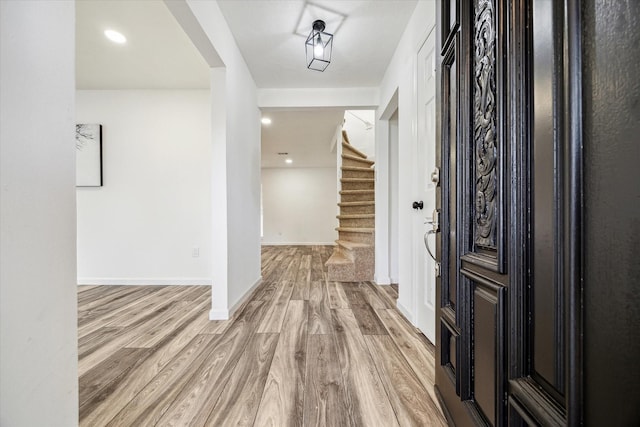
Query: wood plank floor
[[301, 352]]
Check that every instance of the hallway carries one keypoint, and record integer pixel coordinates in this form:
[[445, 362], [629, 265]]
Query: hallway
[[301, 351]]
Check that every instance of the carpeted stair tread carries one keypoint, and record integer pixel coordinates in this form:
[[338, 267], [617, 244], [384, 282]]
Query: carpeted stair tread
[[348, 244], [357, 191], [345, 137], [355, 230], [356, 169], [356, 216], [366, 203], [357, 180], [358, 159], [354, 149], [338, 258]]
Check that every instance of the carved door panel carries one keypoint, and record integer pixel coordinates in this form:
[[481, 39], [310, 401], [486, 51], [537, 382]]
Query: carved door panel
[[470, 373], [506, 327]]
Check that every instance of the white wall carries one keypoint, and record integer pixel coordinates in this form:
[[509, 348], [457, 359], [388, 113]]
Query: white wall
[[155, 206], [38, 313], [348, 97], [299, 206], [236, 260], [400, 80], [360, 137]]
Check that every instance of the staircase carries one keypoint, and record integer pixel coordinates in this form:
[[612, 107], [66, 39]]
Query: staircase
[[353, 257]]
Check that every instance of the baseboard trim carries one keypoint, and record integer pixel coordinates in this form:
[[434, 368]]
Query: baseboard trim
[[382, 280], [244, 298], [220, 314], [406, 313], [298, 243], [143, 281]]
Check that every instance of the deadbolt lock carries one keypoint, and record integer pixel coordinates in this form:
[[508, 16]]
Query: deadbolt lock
[[435, 220], [435, 176]]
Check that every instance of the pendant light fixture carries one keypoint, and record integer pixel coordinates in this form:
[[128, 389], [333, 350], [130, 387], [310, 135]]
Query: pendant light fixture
[[318, 47]]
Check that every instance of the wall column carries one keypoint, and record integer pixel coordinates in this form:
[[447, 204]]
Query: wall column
[[219, 208], [38, 285]]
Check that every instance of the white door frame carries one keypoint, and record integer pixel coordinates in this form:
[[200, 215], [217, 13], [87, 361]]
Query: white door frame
[[382, 218]]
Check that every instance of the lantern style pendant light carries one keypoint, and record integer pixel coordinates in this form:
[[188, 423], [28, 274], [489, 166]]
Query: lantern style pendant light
[[318, 47]]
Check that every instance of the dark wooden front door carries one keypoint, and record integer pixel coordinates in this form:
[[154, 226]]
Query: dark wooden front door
[[507, 319]]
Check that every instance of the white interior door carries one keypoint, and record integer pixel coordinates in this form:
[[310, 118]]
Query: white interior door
[[425, 190]]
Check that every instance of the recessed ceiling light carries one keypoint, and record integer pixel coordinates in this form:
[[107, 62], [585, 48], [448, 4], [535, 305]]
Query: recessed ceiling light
[[266, 121], [115, 36], [289, 161]]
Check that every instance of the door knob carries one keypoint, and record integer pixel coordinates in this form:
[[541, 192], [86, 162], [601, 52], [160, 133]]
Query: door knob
[[418, 205]]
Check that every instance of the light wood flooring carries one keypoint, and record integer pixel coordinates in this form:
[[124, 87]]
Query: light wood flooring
[[301, 351]]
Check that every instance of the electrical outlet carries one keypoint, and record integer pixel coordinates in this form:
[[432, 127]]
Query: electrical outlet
[[195, 252]]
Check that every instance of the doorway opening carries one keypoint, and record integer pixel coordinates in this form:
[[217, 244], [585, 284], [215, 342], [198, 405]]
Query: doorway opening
[[299, 175]]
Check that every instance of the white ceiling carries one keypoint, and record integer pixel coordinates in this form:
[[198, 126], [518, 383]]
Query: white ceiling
[[362, 47], [306, 136], [159, 55]]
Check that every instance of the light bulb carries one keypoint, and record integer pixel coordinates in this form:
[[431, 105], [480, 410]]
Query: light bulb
[[318, 49]]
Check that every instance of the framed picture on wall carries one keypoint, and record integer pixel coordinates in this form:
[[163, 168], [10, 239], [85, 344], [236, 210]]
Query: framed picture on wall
[[88, 155]]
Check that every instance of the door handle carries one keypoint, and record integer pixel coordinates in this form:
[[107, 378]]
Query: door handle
[[418, 205], [426, 243]]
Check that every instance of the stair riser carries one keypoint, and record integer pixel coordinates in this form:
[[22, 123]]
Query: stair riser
[[346, 149], [357, 197], [364, 274], [364, 264], [341, 273], [361, 270], [368, 174], [358, 185], [360, 255], [357, 237], [352, 210], [357, 222], [350, 273], [355, 163]]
